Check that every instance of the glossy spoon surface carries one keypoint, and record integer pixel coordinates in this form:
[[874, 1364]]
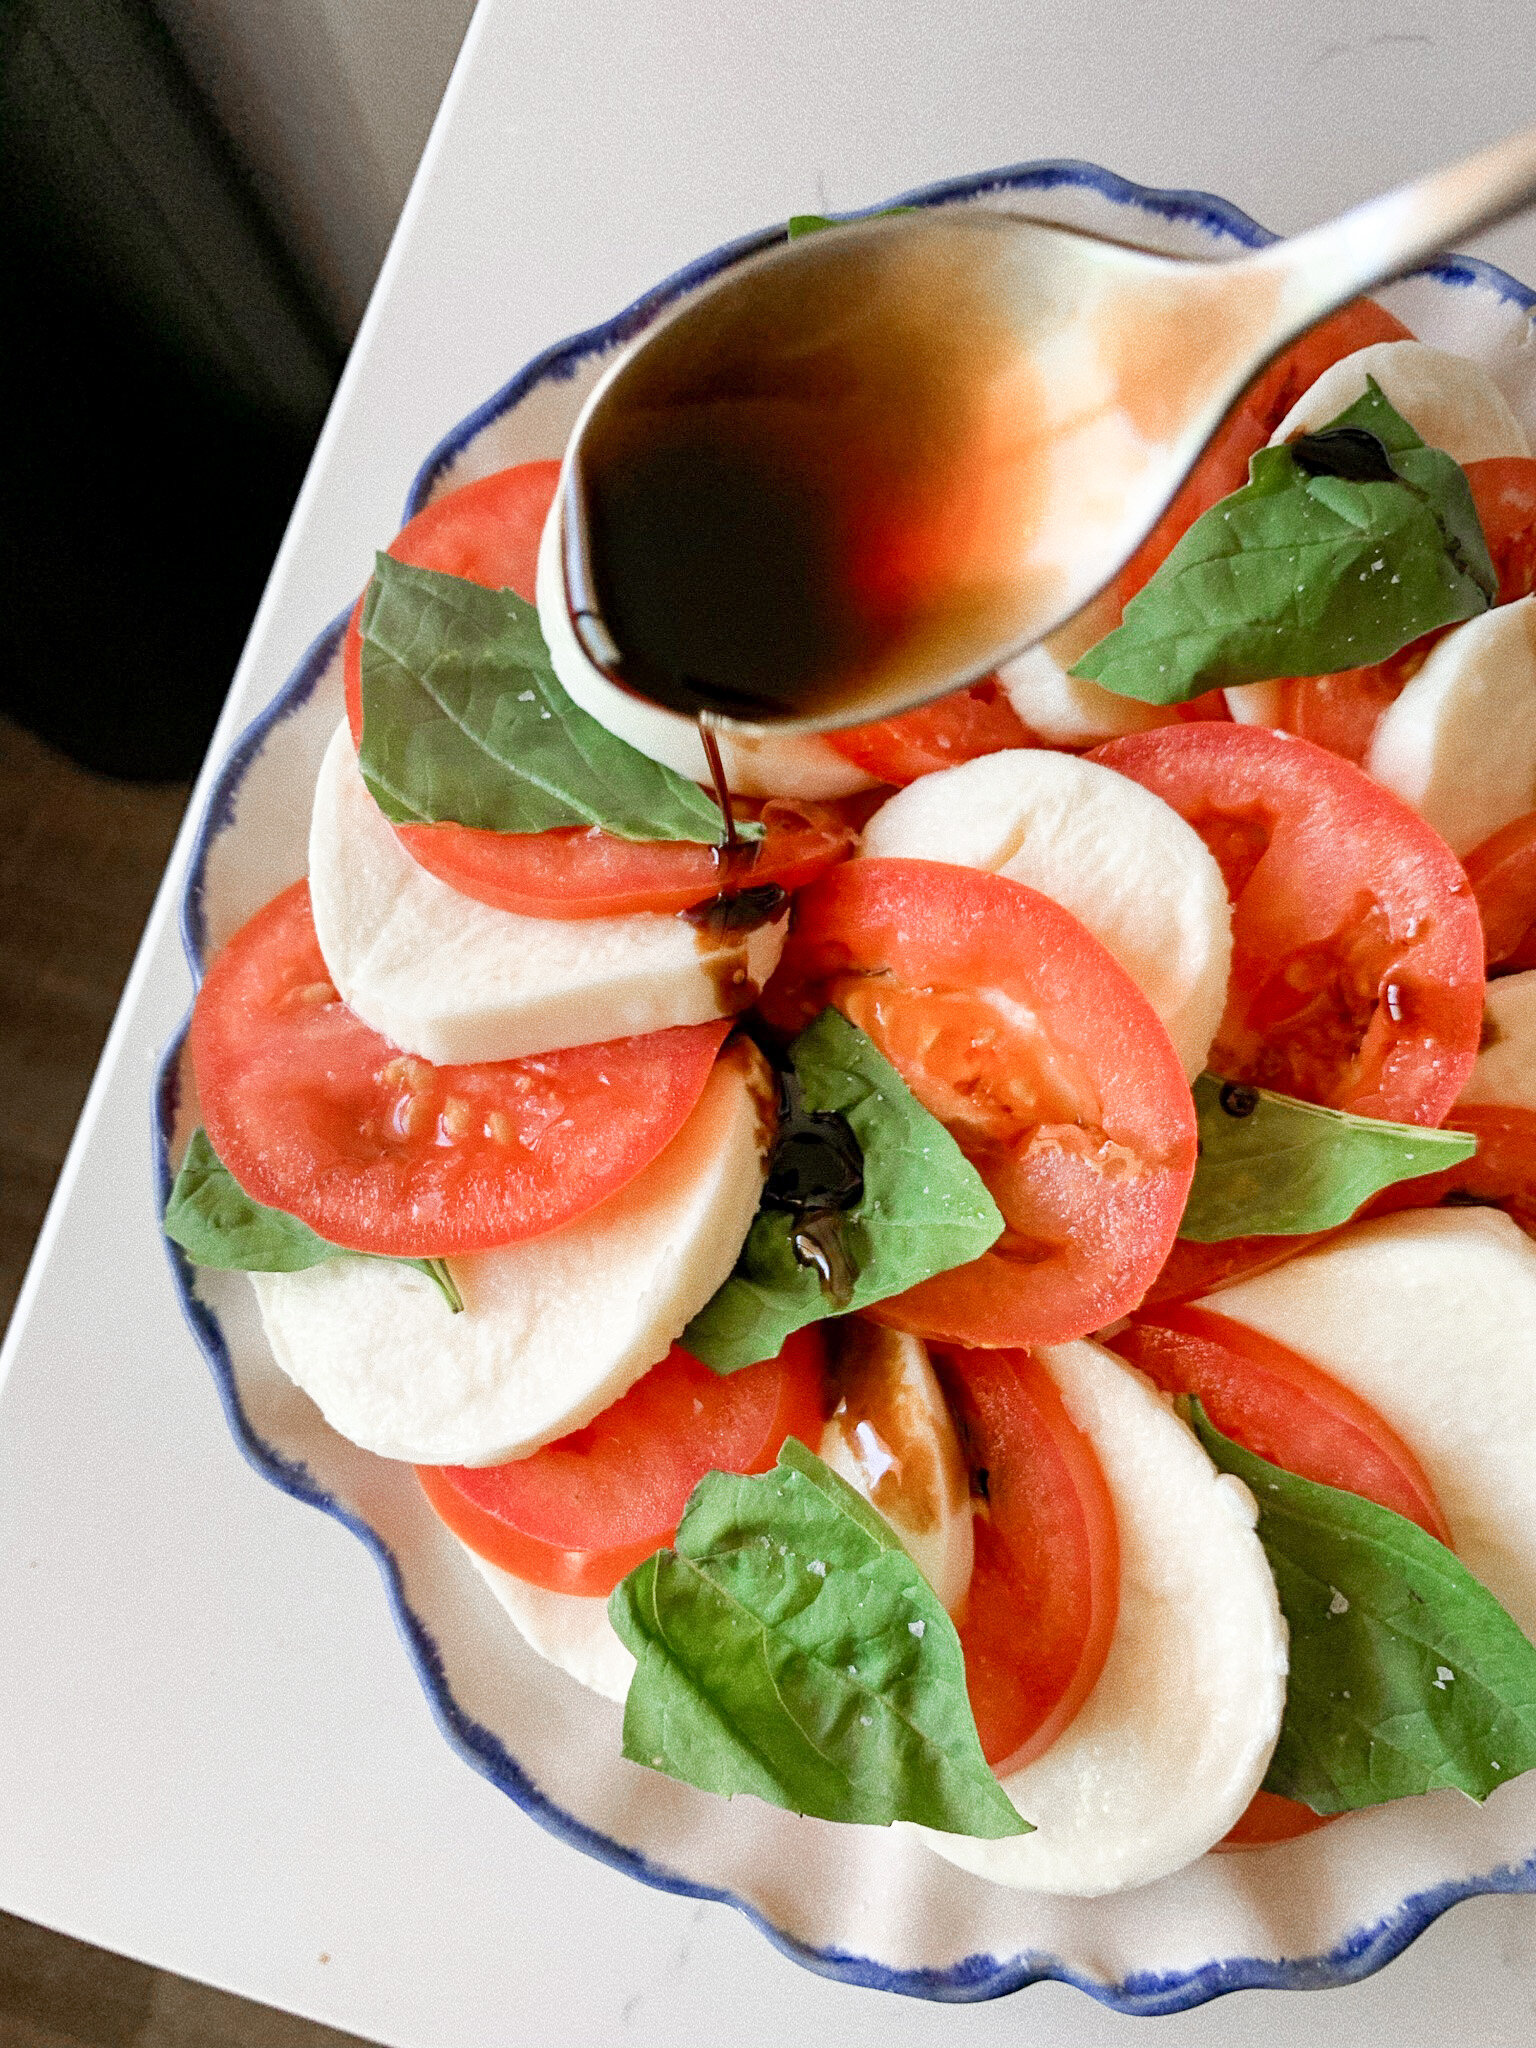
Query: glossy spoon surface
[[861, 468]]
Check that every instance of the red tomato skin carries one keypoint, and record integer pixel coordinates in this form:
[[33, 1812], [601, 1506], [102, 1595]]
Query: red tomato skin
[[1088, 1241], [1044, 1596], [581, 1513], [314, 1113], [488, 532], [1504, 492], [1502, 872], [1278, 1405], [960, 727], [578, 872], [1271, 1818], [1501, 1173], [1357, 948], [1192, 1270]]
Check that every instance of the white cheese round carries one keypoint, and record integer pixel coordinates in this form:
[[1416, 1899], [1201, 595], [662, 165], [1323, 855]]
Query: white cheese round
[[554, 1329], [786, 764], [1114, 854], [455, 981], [1459, 744], [890, 1436], [1174, 1740], [568, 1629], [1506, 1067], [1431, 1317], [1450, 402]]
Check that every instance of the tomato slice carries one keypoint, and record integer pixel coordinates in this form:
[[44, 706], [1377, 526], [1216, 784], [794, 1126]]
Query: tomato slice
[[1191, 1269], [577, 1515], [1502, 872], [1223, 467], [1501, 1173], [1013, 1026], [488, 532], [314, 1113], [580, 872], [1281, 1407], [960, 727], [1045, 1592], [1357, 969], [1504, 492]]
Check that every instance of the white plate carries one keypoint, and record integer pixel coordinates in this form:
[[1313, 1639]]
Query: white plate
[[861, 1904]]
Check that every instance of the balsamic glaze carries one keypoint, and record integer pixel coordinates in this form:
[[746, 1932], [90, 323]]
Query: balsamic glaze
[[816, 1174], [1353, 453], [781, 503]]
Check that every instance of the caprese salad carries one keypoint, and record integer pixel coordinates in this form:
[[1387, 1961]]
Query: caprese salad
[[1000, 1299]]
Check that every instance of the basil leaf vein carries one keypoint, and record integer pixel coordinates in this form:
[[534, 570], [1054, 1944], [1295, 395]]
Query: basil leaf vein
[[1301, 573], [218, 1224], [465, 722], [924, 1208], [787, 1646], [1406, 1673], [1271, 1166]]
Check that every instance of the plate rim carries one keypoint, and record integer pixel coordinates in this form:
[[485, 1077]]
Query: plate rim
[[974, 1978]]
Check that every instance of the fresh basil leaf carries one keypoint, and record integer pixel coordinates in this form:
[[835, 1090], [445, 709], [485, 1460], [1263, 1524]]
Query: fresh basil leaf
[[787, 1646], [218, 1224], [1305, 572], [924, 1208], [464, 722], [1406, 1674], [1271, 1166], [812, 223]]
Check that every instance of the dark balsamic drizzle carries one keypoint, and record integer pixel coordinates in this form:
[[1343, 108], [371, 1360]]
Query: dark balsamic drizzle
[[1353, 453], [1237, 1099], [815, 1175], [738, 911]]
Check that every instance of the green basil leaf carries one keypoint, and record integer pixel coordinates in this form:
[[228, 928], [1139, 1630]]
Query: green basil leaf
[[787, 1646], [464, 722], [1299, 574], [218, 1224], [1406, 1673], [924, 1208], [812, 223], [1271, 1166]]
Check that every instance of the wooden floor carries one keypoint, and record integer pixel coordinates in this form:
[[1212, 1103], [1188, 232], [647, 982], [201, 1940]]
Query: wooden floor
[[79, 863]]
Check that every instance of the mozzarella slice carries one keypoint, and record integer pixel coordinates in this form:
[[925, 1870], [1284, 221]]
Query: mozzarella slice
[[786, 764], [1431, 1317], [1063, 709], [1174, 1740], [1114, 854], [892, 1439], [568, 1629], [1449, 401], [1254, 703], [1459, 744], [1506, 1067], [455, 981], [552, 1330]]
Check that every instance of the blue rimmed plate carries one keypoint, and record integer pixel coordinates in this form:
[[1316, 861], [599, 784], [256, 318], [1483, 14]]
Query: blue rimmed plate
[[872, 1907]]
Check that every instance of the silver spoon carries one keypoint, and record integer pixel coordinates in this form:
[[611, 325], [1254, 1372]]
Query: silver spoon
[[860, 469]]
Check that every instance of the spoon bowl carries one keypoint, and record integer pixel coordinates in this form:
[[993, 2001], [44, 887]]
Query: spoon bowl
[[867, 465]]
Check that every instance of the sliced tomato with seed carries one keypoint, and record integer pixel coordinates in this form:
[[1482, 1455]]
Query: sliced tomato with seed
[[1357, 971], [1504, 492], [961, 727], [1014, 1027], [378, 1151], [1045, 1591], [1502, 872], [488, 533], [579, 1514]]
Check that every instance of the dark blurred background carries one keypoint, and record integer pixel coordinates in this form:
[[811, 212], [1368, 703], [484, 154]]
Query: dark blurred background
[[194, 199]]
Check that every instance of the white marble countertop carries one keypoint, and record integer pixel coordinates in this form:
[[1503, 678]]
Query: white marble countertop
[[213, 1752]]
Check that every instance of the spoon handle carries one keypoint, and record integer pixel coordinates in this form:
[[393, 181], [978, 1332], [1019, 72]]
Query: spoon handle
[[1325, 267]]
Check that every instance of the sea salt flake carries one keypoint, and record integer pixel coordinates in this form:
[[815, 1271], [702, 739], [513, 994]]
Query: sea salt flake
[[918, 1628], [1443, 1676], [817, 1568], [1338, 1604]]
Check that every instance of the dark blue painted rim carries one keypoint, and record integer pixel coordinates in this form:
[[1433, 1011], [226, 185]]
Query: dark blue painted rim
[[977, 1977]]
